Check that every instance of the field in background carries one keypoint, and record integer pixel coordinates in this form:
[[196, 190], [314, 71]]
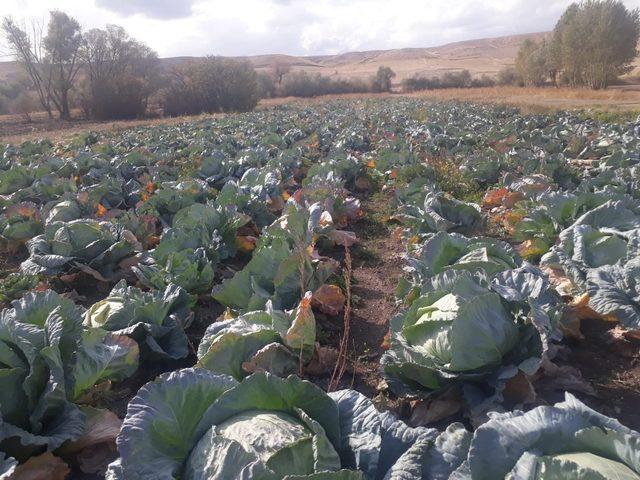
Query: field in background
[[616, 103]]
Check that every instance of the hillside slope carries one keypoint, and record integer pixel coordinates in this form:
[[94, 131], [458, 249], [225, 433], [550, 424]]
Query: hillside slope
[[478, 56], [482, 56]]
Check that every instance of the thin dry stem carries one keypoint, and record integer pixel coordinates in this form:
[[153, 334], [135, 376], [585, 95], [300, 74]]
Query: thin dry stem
[[341, 363]]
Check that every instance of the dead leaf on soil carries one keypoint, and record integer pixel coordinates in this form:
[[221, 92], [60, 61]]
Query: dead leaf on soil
[[565, 378], [246, 243], [519, 390], [559, 280], [398, 234], [632, 336], [127, 263], [531, 249], [323, 361], [382, 385], [362, 183], [96, 448], [426, 412], [343, 238], [276, 204], [329, 299], [274, 358], [577, 310], [43, 467], [624, 342], [501, 197]]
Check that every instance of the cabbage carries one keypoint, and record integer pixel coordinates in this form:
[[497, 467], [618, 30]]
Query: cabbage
[[188, 269], [282, 261], [440, 212], [94, 247], [156, 320], [566, 441], [464, 329], [452, 251], [614, 292], [271, 340], [195, 424]]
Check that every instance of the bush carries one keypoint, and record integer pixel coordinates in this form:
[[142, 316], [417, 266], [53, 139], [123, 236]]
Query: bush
[[211, 85], [462, 79], [121, 74], [122, 97], [24, 105], [302, 84], [266, 85], [509, 76], [10, 92]]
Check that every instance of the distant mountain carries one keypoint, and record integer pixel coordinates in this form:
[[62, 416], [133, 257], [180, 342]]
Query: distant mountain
[[484, 56], [487, 55]]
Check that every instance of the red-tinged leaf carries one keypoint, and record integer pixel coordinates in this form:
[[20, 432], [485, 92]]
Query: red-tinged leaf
[[246, 243], [43, 467], [329, 299]]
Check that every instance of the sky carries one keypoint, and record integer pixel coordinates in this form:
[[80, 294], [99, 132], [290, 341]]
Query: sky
[[299, 27]]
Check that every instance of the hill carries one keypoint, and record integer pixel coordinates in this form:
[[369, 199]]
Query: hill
[[484, 56]]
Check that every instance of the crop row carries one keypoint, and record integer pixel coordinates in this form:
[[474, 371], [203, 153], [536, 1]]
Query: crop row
[[132, 243]]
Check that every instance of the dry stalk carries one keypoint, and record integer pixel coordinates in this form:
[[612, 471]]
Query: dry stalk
[[302, 252], [341, 363]]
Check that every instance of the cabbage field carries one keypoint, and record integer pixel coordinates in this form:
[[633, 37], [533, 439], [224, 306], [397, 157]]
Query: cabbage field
[[384, 289]]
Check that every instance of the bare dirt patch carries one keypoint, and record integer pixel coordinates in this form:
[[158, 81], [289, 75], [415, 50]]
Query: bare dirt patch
[[614, 373], [377, 267]]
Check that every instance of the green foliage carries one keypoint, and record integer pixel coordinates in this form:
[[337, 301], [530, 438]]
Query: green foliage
[[532, 63], [156, 320], [196, 424], [593, 43], [462, 328]]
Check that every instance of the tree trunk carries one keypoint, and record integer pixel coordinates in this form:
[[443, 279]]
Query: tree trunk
[[65, 114]]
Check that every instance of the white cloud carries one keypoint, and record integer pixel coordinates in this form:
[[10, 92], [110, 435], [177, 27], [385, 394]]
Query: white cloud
[[307, 27]]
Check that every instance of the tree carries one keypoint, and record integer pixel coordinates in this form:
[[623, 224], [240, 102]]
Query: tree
[[211, 85], [62, 45], [50, 60], [531, 63], [121, 73], [382, 80], [595, 41], [27, 47], [280, 69]]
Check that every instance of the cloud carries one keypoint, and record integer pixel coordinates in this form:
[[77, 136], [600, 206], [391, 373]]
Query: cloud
[[159, 9], [302, 27]]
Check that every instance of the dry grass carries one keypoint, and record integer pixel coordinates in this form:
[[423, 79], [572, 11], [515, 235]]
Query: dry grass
[[13, 128], [544, 99]]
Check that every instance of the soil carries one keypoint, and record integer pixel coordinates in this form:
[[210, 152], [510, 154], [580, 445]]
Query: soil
[[377, 267], [612, 369]]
